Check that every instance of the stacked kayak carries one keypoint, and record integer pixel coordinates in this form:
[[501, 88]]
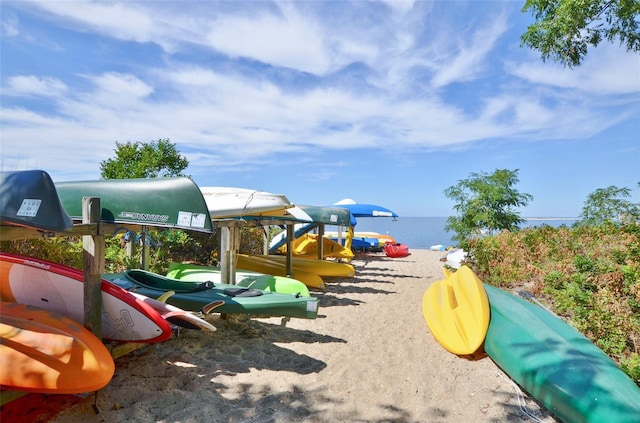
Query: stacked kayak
[[60, 289], [257, 264], [231, 299], [307, 245], [312, 265], [197, 273], [46, 352]]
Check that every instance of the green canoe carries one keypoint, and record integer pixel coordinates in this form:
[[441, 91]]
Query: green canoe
[[29, 198], [196, 273], [163, 202], [556, 364], [194, 296]]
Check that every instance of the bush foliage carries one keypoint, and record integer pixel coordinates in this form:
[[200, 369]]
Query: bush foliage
[[588, 275]]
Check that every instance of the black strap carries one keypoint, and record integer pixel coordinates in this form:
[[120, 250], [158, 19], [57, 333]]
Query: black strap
[[203, 286], [242, 292]]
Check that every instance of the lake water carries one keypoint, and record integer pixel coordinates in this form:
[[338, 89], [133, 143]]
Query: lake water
[[423, 232]]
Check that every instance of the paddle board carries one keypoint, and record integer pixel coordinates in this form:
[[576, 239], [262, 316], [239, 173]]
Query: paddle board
[[556, 364], [45, 352], [457, 312], [59, 288]]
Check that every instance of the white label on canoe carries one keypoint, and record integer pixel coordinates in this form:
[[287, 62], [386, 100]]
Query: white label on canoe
[[193, 220], [29, 207], [197, 220], [184, 218], [312, 306]]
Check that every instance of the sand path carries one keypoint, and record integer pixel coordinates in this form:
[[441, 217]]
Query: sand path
[[369, 357]]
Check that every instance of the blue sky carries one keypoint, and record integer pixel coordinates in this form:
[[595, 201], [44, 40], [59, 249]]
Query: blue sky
[[386, 102]]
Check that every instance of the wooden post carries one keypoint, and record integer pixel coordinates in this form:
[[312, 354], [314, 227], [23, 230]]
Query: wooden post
[[144, 255], [289, 267], [93, 260], [223, 252], [132, 247], [233, 255], [321, 241]]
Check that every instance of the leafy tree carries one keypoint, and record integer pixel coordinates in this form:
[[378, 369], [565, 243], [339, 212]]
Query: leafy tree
[[609, 205], [144, 160], [564, 29], [485, 204]]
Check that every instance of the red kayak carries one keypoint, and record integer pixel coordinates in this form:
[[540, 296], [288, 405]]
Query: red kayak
[[396, 250]]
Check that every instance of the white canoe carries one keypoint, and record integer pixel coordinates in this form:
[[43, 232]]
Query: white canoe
[[230, 202]]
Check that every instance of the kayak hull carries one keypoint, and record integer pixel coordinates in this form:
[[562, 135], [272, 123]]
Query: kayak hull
[[556, 364]]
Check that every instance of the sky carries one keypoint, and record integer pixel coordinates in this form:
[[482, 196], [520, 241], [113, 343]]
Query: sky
[[384, 102]]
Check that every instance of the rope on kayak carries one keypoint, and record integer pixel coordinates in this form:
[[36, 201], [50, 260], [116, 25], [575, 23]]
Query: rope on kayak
[[522, 401]]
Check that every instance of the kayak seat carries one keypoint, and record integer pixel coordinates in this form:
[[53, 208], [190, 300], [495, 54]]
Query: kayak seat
[[242, 292], [203, 286]]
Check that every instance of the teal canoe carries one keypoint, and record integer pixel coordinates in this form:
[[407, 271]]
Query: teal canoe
[[159, 202], [196, 273], [556, 364], [29, 198], [194, 296]]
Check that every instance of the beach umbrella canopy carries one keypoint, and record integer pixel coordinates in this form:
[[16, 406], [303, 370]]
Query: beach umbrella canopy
[[364, 210]]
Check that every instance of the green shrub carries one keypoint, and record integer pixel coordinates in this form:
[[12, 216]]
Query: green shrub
[[590, 276]]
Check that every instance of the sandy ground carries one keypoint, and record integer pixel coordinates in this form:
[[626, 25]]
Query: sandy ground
[[369, 357]]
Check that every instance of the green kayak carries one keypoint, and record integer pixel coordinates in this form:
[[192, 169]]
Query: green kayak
[[196, 273], [556, 364], [194, 296]]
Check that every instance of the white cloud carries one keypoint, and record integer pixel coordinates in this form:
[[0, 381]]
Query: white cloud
[[466, 59], [27, 85], [606, 70], [120, 20], [10, 24], [118, 85], [287, 39]]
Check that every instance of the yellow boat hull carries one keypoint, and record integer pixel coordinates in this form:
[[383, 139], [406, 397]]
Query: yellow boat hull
[[248, 262], [457, 311], [315, 266], [307, 246]]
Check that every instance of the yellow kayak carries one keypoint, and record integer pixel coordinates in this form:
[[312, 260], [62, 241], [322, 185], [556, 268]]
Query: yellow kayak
[[307, 245], [457, 311], [256, 264], [312, 265]]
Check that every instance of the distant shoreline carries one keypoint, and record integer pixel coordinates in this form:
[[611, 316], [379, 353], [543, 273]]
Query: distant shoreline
[[551, 218], [525, 218]]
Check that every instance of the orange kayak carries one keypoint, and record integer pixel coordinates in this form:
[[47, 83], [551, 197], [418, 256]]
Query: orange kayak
[[45, 352]]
